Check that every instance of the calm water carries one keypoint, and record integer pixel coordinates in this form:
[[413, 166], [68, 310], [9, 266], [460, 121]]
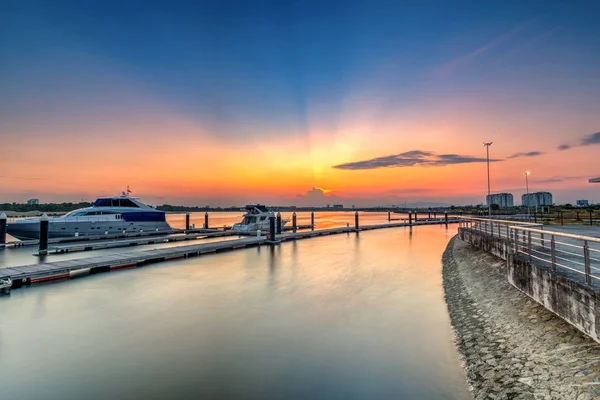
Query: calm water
[[340, 317]]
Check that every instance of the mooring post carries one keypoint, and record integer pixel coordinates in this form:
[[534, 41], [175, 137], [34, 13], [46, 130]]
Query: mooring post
[[2, 228], [416, 217], [435, 215], [356, 220], [446, 217], [44, 231], [187, 221], [389, 216], [429, 214], [278, 223], [294, 222], [410, 218], [206, 220], [272, 227], [312, 220]]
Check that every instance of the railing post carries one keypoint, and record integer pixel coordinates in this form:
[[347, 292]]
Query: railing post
[[542, 236], [499, 232], [529, 244], [553, 252], [586, 261], [312, 220]]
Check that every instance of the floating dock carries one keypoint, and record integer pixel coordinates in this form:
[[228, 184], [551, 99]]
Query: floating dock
[[66, 269]]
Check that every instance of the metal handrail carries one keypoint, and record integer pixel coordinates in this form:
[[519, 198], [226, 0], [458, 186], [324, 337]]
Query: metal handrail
[[501, 221], [567, 235]]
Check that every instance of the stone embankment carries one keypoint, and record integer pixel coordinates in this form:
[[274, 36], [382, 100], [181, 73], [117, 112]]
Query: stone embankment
[[512, 347]]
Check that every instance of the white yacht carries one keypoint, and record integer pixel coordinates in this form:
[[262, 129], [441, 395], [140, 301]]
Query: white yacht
[[256, 217], [108, 215]]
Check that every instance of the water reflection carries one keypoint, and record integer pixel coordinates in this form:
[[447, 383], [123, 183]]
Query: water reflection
[[347, 316]]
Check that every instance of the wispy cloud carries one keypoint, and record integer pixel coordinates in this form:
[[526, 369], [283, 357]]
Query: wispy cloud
[[471, 57], [588, 140], [556, 179], [411, 159], [528, 154]]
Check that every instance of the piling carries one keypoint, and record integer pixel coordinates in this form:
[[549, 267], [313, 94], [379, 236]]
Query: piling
[[294, 222], [2, 228], [416, 216], [410, 218], [206, 220], [187, 221], [278, 223], [312, 220], [446, 218], [429, 215], [434, 214], [356, 220], [44, 232], [389, 216], [591, 219], [272, 227]]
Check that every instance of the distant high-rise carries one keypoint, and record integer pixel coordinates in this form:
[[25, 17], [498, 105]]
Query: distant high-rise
[[33, 202], [504, 200], [537, 199]]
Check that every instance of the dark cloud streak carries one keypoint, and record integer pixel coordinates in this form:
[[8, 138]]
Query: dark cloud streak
[[588, 140], [528, 154], [411, 159]]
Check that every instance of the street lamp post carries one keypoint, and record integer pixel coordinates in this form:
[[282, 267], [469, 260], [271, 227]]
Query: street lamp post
[[526, 173], [489, 197]]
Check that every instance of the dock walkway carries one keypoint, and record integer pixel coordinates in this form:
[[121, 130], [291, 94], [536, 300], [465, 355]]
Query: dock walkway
[[48, 271]]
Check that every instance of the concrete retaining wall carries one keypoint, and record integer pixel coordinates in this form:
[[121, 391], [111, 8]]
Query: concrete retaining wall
[[574, 302], [496, 246]]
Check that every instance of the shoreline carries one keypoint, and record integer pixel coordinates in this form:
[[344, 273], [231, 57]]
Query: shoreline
[[512, 347]]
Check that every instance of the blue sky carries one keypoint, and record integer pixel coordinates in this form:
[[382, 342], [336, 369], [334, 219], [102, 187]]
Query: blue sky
[[261, 70]]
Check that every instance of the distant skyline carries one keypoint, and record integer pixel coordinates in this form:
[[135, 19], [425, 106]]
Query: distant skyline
[[232, 102]]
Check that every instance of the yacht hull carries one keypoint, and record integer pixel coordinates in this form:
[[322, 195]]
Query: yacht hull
[[26, 230]]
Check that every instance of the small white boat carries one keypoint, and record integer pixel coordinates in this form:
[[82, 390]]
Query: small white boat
[[256, 217], [5, 285]]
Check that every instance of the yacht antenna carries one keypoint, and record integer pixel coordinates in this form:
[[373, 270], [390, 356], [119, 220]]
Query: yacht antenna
[[128, 191]]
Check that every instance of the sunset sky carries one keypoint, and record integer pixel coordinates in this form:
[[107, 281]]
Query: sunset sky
[[232, 102]]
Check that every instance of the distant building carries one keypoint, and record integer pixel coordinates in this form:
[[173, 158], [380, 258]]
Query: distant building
[[537, 199], [338, 206], [33, 202], [582, 203], [504, 200]]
